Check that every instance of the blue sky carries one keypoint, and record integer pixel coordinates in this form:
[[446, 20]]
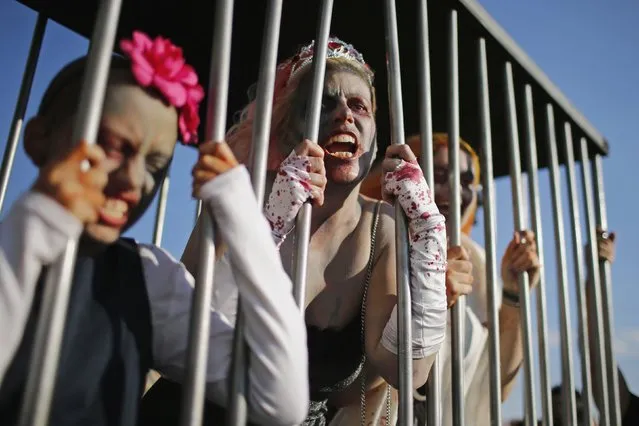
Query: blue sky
[[588, 49]]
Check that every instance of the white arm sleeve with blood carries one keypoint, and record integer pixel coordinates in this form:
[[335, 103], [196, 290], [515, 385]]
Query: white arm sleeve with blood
[[427, 236], [290, 190]]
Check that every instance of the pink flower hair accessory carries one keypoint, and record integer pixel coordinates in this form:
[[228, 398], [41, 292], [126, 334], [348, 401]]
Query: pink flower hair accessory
[[160, 64]]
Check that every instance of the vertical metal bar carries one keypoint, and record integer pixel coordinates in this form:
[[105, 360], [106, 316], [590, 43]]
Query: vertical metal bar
[[542, 322], [489, 235], [405, 359], [520, 225], [595, 282], [458, 311], [199, 328], [606, 299], [425, 106], [160, 216], [434, 399], [264, 99], [44, 361], [259, 154], [569, 414], [198, 210], [593, 263], [579, 281], [300, 255], [311, 132], [21, 106]]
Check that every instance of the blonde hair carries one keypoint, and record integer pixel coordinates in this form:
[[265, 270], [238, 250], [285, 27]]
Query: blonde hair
[[289, 99]]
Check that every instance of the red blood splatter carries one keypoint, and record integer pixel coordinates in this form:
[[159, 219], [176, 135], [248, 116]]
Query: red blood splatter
[[409, 172]]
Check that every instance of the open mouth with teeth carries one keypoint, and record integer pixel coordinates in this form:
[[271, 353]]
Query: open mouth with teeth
[[114, 213], [342, 145]]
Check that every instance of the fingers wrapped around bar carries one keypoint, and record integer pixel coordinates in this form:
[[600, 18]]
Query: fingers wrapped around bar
[[300, 177]]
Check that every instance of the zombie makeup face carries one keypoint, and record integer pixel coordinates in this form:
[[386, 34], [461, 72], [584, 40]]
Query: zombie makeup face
[[442, 190], [138, 133], [151, 94], [347, 125]]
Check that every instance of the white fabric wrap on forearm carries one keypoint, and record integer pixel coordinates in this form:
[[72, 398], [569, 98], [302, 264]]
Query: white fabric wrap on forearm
[[290, 190], [427, 251]]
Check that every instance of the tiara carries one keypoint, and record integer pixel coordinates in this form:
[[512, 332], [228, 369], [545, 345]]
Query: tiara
[[336, 49]]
